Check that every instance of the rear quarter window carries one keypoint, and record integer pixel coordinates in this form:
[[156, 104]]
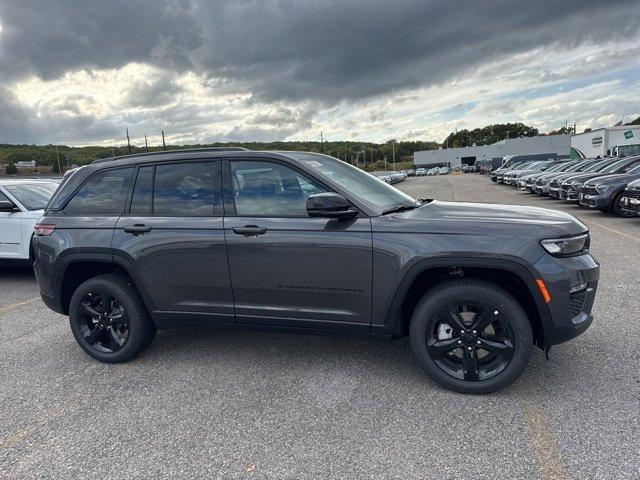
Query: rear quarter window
[[103, 194]]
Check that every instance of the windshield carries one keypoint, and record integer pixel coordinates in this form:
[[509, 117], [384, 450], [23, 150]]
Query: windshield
[[598, 167], [568, 167], [616, 166], [561, 167], [375, 193], [33, 196], [584, 167]]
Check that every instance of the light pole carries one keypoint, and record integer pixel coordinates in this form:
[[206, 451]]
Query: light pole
[[393, 152]]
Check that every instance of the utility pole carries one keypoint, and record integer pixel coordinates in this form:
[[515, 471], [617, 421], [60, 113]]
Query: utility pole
[[364, 155], [321, 142], [385, 163], [128, 142], [146, 144], [164, 147], [372, 160], [113, 151], [58, 159]]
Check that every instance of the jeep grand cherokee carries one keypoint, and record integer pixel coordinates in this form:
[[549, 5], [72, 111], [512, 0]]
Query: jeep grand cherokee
[[304, 242]]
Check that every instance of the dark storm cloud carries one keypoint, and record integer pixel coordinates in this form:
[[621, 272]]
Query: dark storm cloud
[[50, 37], [296, 49]]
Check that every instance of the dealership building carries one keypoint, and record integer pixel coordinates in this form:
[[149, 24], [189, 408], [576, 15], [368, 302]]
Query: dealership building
[[453, 157], [608, 141]]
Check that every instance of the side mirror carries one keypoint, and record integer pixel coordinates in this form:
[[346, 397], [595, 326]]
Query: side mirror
[[330, 205], [7, 206]]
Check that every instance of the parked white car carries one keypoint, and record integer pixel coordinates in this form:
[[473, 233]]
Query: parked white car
[[420, 172], [21, 205]]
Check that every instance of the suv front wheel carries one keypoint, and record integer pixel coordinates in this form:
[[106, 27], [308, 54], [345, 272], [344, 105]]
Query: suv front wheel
[[471, 336], [109, 320]]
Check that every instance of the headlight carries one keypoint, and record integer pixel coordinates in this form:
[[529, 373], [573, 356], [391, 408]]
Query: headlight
[[602, 188], [562, 247]]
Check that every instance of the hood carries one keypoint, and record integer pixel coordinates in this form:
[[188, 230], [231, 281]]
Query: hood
[[614, 179], [483, 218], [583, 177], [563, 176], [526, 172], [634, 184]]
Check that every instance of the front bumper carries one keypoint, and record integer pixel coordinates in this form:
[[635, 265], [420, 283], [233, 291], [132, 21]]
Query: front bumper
[[555, 192], [598, 202], [630, 204], [570, 312], [570, 195]]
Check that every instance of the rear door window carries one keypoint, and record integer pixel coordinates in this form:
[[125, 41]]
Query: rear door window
[[103, 194], [186, 190]]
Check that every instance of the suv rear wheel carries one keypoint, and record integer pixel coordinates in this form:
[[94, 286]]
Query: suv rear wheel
[[108, 319], [471, 336]]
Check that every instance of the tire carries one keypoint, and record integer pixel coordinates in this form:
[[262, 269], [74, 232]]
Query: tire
[[140, 329], [511, 318], [616, 208]]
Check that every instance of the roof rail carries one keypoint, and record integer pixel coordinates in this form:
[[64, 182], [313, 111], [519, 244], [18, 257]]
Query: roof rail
[[177, 150]]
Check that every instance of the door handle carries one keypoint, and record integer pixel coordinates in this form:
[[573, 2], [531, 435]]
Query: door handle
[[249, 230], [137, 229]]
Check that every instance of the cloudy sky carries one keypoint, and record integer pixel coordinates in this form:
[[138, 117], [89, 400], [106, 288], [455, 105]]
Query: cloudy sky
[[81, 71]]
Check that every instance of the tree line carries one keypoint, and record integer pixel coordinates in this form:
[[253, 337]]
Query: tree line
[[364, 154]]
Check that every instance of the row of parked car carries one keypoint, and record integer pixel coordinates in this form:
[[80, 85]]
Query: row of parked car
[[391, 177], [609, 184], [421, 172]]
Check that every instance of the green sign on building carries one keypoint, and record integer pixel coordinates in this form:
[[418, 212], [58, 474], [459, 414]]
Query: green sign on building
[[628, 134]]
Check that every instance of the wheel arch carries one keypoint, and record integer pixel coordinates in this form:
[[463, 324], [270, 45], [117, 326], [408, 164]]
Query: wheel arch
[[77, 268], [513, 276]]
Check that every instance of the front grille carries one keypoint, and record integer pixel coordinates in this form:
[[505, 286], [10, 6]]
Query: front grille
[[554, 183], [589, 190], [576, 302], [632, 193], [566, 188]]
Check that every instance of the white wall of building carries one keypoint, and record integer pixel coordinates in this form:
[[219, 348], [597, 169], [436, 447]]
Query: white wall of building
[[559, 144]]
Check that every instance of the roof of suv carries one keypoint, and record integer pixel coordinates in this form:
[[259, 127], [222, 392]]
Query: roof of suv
[[172, 152]]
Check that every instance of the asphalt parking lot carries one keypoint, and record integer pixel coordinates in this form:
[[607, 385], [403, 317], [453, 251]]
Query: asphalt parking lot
[[226, 404]]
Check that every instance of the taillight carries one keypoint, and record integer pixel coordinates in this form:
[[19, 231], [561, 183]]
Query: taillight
[[43, 230]]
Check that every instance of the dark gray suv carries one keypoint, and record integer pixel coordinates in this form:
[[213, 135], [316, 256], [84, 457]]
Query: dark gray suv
[[303, 242]]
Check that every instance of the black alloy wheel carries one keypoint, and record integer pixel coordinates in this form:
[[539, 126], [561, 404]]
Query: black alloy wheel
[[109, 320], [103, 322], [471, 335], [470, 340]]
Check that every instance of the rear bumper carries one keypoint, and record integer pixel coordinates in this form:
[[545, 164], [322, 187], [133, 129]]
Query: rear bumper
[[54, 303], [572, 283]]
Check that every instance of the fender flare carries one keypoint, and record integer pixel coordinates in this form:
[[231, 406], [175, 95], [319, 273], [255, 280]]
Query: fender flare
[[105, 256], [514, 265]]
